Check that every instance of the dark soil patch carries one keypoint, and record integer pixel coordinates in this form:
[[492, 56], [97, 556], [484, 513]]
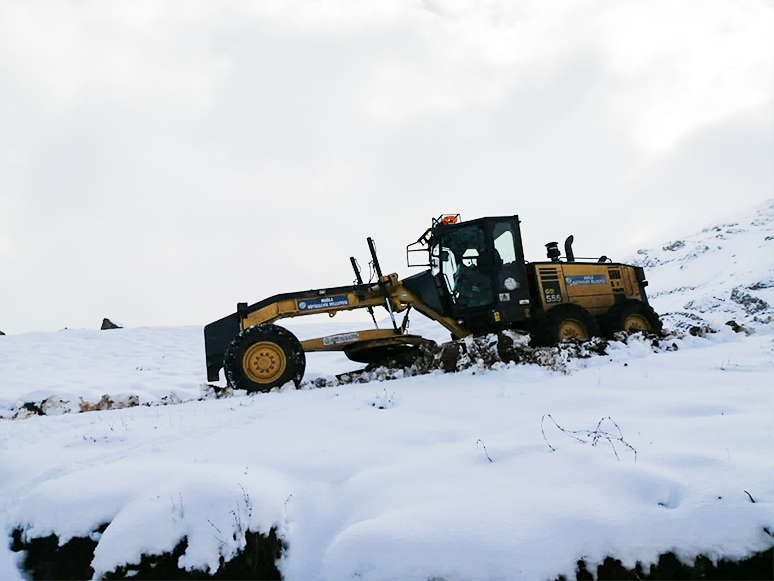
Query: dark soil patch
[[32, 409], [670, 568], [45, 559]]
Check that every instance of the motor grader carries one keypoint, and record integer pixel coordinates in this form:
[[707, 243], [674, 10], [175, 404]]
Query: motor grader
[[475, 281]]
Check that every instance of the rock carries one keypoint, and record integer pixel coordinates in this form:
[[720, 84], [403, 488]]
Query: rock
[[51, 406], [738, 328], [27, 410], [54, 406], [701, 330], [1, 333], [749, 303], [108, 403], [674, 246], [108, 324], [212, 391], [103, 404], [170, 399]]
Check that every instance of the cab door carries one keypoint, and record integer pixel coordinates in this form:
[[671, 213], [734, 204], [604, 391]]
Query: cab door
[[510, 274], [467, 278]]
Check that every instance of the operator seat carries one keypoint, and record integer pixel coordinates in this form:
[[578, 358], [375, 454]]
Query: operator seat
[[474, 283]]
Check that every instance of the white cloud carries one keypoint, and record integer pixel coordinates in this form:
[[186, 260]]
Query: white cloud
[[686, 66]]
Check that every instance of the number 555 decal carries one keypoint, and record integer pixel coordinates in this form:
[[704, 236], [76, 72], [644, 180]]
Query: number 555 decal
[[552, 293]]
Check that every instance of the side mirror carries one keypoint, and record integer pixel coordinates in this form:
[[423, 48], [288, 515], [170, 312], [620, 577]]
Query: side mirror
[[444, 255]]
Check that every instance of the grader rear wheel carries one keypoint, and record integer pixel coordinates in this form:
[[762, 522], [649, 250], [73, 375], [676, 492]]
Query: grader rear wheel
[[636, 322], [572, 329], [632, 317], [566, 321], [263, 357]]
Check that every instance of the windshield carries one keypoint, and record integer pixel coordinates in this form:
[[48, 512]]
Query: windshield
[[465, 264]]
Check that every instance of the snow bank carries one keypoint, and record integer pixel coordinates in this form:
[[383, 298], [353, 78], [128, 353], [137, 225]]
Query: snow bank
[[408, 491], [155, 364]]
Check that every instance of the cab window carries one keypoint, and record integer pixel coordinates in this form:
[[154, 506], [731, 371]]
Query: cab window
[[442, 261], [467, 266], [504, 243]]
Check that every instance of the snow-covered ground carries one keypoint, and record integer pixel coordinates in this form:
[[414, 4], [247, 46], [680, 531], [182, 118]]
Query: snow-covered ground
[[453, 476]]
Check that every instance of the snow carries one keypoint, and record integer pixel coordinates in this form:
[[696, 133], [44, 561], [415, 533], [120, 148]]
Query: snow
[[693, 279], [454, 476]]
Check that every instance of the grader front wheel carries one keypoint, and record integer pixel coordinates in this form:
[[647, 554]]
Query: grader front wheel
[[264, 362], [263, 357]]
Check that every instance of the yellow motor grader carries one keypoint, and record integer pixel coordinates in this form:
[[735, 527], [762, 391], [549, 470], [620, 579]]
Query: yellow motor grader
[[476, 281]]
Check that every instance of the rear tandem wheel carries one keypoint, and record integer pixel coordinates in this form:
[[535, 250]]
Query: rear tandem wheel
[[567, 321], [631, 316]]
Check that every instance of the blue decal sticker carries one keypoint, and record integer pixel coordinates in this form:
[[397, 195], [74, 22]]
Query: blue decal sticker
[[322, 303], [581, 279]]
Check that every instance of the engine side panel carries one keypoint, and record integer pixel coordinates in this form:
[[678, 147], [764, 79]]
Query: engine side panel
[[593, 286]]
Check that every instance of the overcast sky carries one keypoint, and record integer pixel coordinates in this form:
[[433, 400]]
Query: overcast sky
[[160, 161]]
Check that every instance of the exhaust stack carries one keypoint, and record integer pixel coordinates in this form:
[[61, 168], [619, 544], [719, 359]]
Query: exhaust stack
[[568, 248]]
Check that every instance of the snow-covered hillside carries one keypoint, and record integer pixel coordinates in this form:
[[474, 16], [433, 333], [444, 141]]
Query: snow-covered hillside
[[725, 272], [472, 475]]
